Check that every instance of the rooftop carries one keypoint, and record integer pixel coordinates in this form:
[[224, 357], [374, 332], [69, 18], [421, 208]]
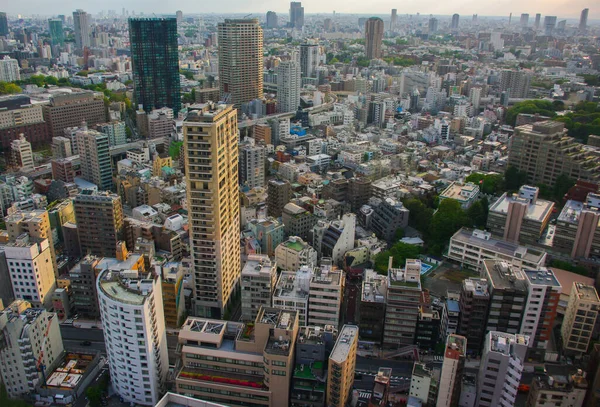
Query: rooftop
[[587, 292], [452, 306], [345, 341], [456, 343], [478, 286], [294, 285], [460, 192], [126, 286], [502, 342], [257, 265], [374, 287], [542, 276], [536, 211], [504, 276], [295, 243]]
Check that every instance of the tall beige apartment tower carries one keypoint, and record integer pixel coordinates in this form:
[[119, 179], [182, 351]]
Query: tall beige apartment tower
[[373, 37], [211, 166], [240, 60]]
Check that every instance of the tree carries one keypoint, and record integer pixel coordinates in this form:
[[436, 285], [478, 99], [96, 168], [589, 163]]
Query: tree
[[488, 184], [400, 252], [477, 213], [94, 396], [514, 178], [448, 219], [420, 215], [562, 185], [542, 107], [9, 88]]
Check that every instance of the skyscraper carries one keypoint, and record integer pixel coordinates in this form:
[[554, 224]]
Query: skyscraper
[[272, 20], [99, 223], [240, 60], [3, 24], [155, 63], [433, 25], [252, 165], [549, 24], [583, 19], [455, 19], [394, 19], [373, 37], [516, 83], [309, 59], [56, 31], [296, 15], [81, 21], [93, 148], [524, 20], [538, 18], [288, 86], [211, 167]]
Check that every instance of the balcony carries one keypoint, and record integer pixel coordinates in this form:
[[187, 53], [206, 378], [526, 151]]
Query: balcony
[[225, 378]]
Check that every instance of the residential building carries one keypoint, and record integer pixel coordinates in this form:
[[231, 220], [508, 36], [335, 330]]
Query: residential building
[[294, 253], [450, 316], [240, 61], [272, 21], [297, 221], [9, 69], [310, 57], [99, 222], [520, 218], [333, 239], [237, 363], [326, 292], [291, 292], [577, 232], [402, 308], [173, 399], [21, 154], [423, 384], [3, 24], [429, 326], [83, 287], [131, 307], [18, 116], [61, 147], [516, 83], [540, 309], [508, 296], [500, 370], [371, 309], [544, 151], [471, 247], [465, 194], [455, 20], [252, 164], [269, 233], [474, 303], [155, 63], [259, 276], [342, 363], [452, 370], [36, 224], [211, 149], [115, 131], [81, 21], [580, 318], [279, 195], [288, 86], [373, 38], [561, 387], [161, 123], [31, 345], [173, 293], [70, 109], [96, 167], [389, 215]]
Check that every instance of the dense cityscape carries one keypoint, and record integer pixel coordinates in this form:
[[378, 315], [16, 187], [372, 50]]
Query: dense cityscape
[[299, 209]]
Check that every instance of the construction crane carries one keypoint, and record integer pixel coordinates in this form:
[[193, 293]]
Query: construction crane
[[247, 15], [39, 365]]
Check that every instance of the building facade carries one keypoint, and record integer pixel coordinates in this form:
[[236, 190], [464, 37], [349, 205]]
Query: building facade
[[342, 363], [99, 222]]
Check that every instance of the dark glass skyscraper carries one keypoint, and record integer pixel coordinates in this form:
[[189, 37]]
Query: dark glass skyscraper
[[155, 63], [56, 31], [3, 24]]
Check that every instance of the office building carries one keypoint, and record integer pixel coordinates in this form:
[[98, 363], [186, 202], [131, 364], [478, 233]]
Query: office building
[[563, 386], [21, 154], [520, 218], [57, 35], [3, 24], [259, 276], [474, 302], [63, 170], [454, 23], [371, 309], [388, 216], [544, 151], [296, 15], [373, 38], [515, 83], [81, 21], [540, 309], [583, 19], [70, 109], [83, 287], [240, 61], [471, 247], [310, 58], [402, 308], [252, 164], [452, 370], [508, 296], [99, 223], [93, 148], [394, 19], [9, 69], [61, 147], [577, 232], [549, 24], [333, 239], [279, 194], [538, 18], [31, 346], [500, 370], [433, 26], [326, 292], [342, 363], [423, 384], [211, 149], [236, 363], [293, 253], [524, 20], [115, 131], [291, 292], [288, 86], [297, 221], [131, 307], [272, 20], [580, 318], [18, 116]]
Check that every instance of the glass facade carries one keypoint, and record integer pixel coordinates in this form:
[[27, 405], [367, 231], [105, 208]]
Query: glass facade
[[155, 63], [56, 32]]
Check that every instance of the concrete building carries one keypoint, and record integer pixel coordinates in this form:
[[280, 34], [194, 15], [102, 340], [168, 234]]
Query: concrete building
[[81, 21], [465, 194], [61, 147], [310, 58], [423, 384], [544, 151], [577, 232], [272, 21], [452, 369], [93, 148], [474, 303], [580, 318], [334, 239], [84, 292], [371, 309], [288, 86], [402, 308], [211, 149], [115, 131], [240, 67], [373, 37], [214, 350], [500, 370], [326, 292], [279, 195], [388, 216], [520, 218], [9, 69], [31, 345], [160, 123], [269, 233], [291, 292], [99, 223], [516, 83], [540, 309], [19, 116], [21, 154], [70, 109], [259, 276], [342, 363], [294, 253], [508, 296], [172, 281], [561, 387], [31, 270], [131, 307], [471, 247], [296, 15], [252, 164], [297, 221]]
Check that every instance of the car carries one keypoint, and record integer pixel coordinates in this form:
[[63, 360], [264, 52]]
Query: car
[[85, 343], [524, 388]]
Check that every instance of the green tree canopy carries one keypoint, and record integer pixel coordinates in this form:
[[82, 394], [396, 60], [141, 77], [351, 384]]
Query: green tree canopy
[[400, 252], [542, 107], [514, 178], [488, 184], [9, 88], [448, 219]]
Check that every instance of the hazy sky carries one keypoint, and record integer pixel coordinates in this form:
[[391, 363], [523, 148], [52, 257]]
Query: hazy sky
[[560, 8]]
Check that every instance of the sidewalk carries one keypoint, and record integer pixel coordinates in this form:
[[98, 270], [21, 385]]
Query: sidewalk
[[83, 323]]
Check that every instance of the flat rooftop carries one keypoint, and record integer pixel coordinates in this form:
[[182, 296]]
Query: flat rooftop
[[537, 211], [587, 292], [503, 276], [501, 342], [295, 244], [542, 276], [258, 265], [457, 343], [374, 287], [467, 236], [347, 336], [460, 192], [478, 286], [294, 285]]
